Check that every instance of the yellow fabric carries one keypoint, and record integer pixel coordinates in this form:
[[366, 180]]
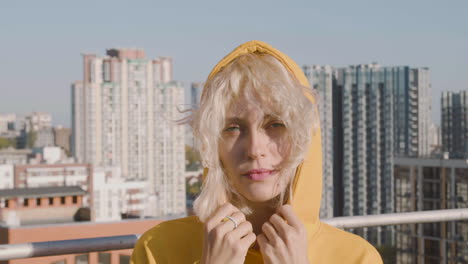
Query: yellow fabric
[[181, 240]]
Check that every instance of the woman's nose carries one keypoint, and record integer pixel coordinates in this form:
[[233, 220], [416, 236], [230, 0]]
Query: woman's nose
[[256, 145]]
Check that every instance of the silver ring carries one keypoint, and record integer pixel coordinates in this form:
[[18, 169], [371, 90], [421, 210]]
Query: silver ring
[[233, 221]]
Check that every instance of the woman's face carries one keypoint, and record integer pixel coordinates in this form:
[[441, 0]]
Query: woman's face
[[252, 149]]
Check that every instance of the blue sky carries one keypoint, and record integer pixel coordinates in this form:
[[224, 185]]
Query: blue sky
[[41, 41]]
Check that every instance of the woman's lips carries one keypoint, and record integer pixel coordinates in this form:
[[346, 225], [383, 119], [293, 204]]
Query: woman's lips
[[259, 174]]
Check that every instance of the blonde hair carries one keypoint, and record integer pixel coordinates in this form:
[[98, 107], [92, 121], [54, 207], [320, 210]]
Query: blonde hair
[[249, 76]]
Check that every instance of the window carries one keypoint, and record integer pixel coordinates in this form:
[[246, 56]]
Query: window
[[38, 201], [124, 259], [62, 200], [26, 202], [104, 258], [7, 203], [75, 199], [51, 201], [81, 259]]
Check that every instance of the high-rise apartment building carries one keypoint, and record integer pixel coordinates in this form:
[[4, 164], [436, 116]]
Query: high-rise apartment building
[[195, 93], [435, 142], [367, 117], [169, 157], [412, 101], [455, 123], [321, 80], [123, 114], [196, 89], [431, 184], [369, 114]]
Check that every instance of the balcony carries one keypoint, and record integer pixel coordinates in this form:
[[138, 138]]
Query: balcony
[[99, 244]]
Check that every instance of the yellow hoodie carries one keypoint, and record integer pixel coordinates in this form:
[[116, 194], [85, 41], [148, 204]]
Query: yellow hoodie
[[181, 240]]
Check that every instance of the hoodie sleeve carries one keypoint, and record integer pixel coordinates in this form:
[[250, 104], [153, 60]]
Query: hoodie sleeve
[[142, 254], [371, 256], [333, 245], [173, 241]]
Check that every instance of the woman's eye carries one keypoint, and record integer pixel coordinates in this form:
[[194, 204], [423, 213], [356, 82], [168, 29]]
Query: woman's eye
[[232, 128], [277, 124]]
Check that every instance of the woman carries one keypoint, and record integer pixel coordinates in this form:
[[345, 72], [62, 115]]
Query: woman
[[259, 136]]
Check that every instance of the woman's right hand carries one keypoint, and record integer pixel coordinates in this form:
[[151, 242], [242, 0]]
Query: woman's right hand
[[222, 242]]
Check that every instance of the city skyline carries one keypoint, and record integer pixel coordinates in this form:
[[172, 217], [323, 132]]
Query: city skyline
[[42, 45]]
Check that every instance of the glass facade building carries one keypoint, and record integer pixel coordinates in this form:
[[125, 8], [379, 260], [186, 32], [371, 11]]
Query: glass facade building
[[369, 115], [455, 123]]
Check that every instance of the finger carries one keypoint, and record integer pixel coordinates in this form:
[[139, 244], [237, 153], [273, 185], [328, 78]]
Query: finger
[[262, 241], [271, 234], [266, 249], [242, 230], [223, 211], [280, 225], [248, 240], [224, 227], [286, 211], [238, 218]]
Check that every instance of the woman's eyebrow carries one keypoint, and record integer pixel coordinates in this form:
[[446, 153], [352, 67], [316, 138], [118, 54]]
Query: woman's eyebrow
[[270, 117], [234, 120]]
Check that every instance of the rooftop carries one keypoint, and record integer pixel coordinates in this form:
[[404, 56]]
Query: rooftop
[[42, 192]]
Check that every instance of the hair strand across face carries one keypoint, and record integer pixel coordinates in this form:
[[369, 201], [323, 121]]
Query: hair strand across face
[[262, 80]]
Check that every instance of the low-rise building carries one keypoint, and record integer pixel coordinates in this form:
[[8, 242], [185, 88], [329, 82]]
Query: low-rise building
[[56, 175], [62, 137], [6, 176], [115, 198], [44, 137], [14, 156], [50, 155], [26, 206]]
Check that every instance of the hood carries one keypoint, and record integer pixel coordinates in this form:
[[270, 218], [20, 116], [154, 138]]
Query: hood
[[307, 185], [166, 242]]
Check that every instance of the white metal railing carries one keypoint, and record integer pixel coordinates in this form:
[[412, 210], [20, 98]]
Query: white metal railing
[[398, 218], [63, 247], [75, 246]]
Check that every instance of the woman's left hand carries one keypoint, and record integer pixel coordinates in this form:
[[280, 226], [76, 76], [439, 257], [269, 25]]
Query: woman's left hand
[[284, 238]]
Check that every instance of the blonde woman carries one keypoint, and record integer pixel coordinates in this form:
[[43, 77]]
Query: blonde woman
[[258, 131]]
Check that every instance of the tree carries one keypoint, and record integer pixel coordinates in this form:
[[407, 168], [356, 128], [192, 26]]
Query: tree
[[194, 189], [32, 136], [7, 142], [192, 158]]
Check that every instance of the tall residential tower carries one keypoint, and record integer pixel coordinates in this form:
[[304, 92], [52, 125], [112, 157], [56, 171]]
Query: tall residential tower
[[369, 115], [123, 114], [455, 123]]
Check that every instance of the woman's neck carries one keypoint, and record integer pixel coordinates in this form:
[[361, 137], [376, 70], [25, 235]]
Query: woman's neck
[[261, 213]]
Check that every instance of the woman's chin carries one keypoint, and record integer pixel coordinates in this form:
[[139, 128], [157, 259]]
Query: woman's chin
[[260, 197], [259, 191]]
